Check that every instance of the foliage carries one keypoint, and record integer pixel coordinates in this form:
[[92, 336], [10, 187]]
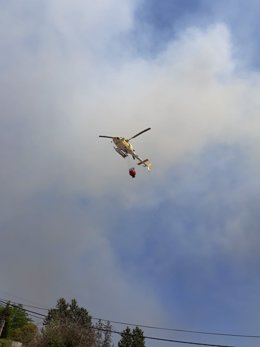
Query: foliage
[[68, 325], [5, 343], [72, 313], [25, 334], [126, 338], [138, 338], [133, 338], [18, 325], [103, 334]]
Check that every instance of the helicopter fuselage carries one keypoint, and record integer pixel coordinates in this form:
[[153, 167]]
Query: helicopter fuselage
[[124, 146]]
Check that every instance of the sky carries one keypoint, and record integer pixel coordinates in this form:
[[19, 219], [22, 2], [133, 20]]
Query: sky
[[177, 247]]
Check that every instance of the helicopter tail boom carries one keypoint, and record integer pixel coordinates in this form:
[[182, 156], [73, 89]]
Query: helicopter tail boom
[[146, 163]]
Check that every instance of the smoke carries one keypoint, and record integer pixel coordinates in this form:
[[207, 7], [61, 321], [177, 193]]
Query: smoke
[[70, 72]]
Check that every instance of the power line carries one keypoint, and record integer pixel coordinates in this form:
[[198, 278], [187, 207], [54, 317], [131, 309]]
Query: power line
[[42, 316], [186, 342], [171, 340], [163, 328], [179, 330], [31, 306], [21, 308]]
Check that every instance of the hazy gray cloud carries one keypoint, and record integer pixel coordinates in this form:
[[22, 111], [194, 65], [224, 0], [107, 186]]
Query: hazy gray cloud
[[68, 74]]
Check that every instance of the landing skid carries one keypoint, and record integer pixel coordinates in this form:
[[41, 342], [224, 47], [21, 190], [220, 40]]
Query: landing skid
[[122, 153]]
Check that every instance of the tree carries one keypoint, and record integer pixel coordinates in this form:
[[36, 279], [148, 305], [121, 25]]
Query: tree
[[103, 334], [138, 338], [68, 325], [107, 335], [65, 312], [18, 326], [126, 338], [133, 338], [25, 334]]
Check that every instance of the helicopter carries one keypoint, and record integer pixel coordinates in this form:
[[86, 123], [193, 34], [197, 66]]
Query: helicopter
[[124, 148]]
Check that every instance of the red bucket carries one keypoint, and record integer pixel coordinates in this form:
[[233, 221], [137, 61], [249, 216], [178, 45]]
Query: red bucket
[[132, 172]]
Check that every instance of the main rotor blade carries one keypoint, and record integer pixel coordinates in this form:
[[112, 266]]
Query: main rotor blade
[[139, 134], [108, 137]]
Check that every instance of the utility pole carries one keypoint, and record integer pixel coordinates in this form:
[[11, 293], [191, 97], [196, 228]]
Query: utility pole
[[4, 319], [2, 324]]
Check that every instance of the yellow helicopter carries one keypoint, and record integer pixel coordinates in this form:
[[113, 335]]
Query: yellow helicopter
[[124, 148]]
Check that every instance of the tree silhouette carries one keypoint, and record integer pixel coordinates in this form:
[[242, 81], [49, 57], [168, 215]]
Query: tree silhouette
[[68, 325]]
